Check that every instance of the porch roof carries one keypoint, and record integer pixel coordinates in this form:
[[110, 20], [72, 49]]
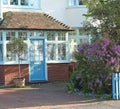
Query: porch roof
[[31, 21]]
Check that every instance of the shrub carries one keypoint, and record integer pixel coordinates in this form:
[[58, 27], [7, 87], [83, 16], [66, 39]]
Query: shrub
[[96, 62]]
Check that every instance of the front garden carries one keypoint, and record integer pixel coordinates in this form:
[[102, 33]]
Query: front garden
[[95, 64]]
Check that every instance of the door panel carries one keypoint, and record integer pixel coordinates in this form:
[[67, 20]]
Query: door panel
[[37, 60]]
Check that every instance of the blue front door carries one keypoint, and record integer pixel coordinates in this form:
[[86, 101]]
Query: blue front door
[[37, 60]]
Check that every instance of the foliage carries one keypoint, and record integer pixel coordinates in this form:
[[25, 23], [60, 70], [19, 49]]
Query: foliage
[[71, 83], [18, 47], [104, 19], [96, 62]]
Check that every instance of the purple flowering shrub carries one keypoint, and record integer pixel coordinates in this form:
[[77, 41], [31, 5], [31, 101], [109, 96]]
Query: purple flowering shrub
[[96, 62]]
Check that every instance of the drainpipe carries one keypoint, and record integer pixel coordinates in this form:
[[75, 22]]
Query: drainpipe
[[1, 12]]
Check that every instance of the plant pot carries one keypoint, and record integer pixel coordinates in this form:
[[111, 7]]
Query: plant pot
[[19, 82]]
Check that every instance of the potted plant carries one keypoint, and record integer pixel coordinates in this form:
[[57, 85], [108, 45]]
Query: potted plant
[[18, 47]]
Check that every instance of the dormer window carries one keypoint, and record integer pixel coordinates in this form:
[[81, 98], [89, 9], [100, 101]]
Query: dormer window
[[75, 2]]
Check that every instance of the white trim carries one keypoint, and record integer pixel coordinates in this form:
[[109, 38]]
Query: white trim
[[45, 49]]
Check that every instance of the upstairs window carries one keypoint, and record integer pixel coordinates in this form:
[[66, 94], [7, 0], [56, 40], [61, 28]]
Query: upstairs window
[[75, 2], [16, 2], [13, 2], [24, 2]]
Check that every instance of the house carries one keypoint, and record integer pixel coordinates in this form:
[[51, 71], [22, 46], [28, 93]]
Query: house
[[46, 27]]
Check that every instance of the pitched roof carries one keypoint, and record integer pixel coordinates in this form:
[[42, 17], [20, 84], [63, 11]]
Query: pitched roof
[[31, 21]]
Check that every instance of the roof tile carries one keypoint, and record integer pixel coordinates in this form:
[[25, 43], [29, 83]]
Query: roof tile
[[31, 21]]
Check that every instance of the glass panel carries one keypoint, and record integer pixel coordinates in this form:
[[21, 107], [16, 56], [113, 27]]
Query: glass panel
[[36, 51], [10, 55], [61, 36], [1, 36], [62, 51], [51, 52], [41, 34], [80, 2], [24, 2], [75, 2], [22, 35], [5, 2], [13, 2], [33, 34], [1, 52], [82, 41], [50, 36], [9, 35]]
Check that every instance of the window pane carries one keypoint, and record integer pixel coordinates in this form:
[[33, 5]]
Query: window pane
[[51, 51], [82, 41], [62, 51], [9, 35], [75, 2], [10, 55], [5, 2], [13, 2], [24, 56], [22, 35], [80, 2], [50, 36], [1, 52], [61, 36], [24, 2], [33, 34], [41, 34], [1, 36]]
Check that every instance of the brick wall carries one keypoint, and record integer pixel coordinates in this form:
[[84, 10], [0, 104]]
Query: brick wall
[[58, 72], [1, 74], [11, 72]]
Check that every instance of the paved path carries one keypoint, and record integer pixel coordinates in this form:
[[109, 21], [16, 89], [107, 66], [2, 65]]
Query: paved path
[[49, 96]]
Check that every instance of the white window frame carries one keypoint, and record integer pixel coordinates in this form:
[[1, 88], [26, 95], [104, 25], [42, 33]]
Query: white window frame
[[1, 43], [74, 3], [56, 42], [5, 42], [6, 3]]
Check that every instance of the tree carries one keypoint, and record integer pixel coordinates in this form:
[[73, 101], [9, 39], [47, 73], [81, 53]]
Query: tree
[[18, 47], [104, 19]]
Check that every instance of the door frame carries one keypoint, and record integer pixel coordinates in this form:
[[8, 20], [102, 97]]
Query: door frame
[[44, 47]]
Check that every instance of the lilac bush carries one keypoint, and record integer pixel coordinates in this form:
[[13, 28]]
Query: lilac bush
[[96, 62]]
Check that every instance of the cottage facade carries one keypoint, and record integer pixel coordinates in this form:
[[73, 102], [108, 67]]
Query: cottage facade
[[46, 26]]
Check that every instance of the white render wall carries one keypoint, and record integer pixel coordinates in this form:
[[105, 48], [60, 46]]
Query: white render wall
[[75, 16], [59, 9], [1, 9], [55, 8]]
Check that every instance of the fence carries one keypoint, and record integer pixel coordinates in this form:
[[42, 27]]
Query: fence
[[116, 85]]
